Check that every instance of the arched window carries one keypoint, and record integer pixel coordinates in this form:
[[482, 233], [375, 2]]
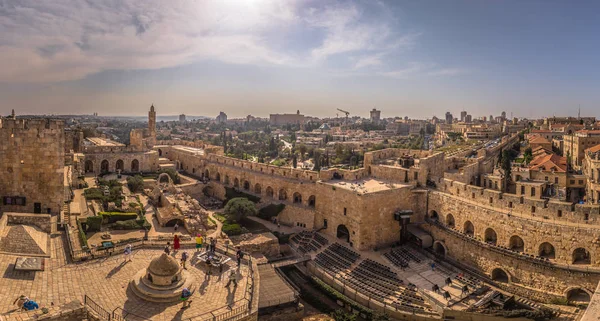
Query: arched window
[[450, 220], [490, 236], [581, 256], [312, 201], [226, 180], [135, 165], [516, 243], [206, 174], [434, 216], [218, 177], [104, 166], [257, 188], [269, 192], [119, 166], [297, 198], [468, 228], [236, 182], [500, 275], [247, 185], [89, 166], [343, 233], [547, 251], [282, 195]]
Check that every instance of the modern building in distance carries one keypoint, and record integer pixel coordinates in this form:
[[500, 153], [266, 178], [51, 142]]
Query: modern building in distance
[[182, 118], [375, 115], [463, 116], [285, 119], [449, 118], [576, 144], [221, 118]]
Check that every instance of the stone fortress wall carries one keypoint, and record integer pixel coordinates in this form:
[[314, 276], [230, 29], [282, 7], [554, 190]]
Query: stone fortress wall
[[32, 158]]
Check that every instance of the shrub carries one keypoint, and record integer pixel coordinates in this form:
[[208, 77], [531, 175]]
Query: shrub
[[94, 223], [135, 183], [232, 229], [270, 211], [126, 225], [82, 236], [112, 217], [93, 194]]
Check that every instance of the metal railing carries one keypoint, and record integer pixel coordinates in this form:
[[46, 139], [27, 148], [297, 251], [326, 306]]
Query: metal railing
[[102, 313]]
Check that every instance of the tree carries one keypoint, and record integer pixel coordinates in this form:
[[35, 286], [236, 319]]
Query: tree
[[295, 161], [135, 183], [378, 316], [240, 207], [302, 149], [341, 315], [317, 158], [527, 155], [505, 164]]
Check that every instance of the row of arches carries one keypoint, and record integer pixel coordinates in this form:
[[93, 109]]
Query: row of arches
[[516, 243], [257, 188], [89, 166]]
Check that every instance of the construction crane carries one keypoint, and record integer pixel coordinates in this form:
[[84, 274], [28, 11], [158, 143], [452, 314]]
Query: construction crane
[[345, 112]]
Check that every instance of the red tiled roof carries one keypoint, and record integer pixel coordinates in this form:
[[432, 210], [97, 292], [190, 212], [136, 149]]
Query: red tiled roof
[[594, 149], [538, 140], [549, 162]]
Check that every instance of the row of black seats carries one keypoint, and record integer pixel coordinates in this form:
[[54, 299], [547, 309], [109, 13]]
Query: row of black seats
[[396, 259]]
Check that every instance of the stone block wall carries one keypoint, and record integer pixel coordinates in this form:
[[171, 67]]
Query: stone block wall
[[44, 221], [293, 214], [32, 157]]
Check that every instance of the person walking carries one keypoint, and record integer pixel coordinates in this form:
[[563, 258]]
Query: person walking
[[176, 243], [185, 298], [184, 257], [213, 244], [232, 278], [198, 242], [226, 246], [432, 266], [175, 227], [239, 255], [127, 253], [168, 248]]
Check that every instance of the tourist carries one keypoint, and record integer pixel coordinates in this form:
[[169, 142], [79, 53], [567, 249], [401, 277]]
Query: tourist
[[232, 278], [185, 298], [465, 290], [226, 246], [436, 288], [447, 295], [198, 242], [184, 257], [448, 281], [30, 305], [239, 254], [213, 244], [127, 253], [168, 248], [432, 266], [175, 227], [20, 301], [176, 244]]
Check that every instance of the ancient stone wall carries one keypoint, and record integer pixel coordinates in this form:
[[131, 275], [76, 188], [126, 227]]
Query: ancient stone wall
[[298, 215], [130, 162], [43, 221], [32, 157]]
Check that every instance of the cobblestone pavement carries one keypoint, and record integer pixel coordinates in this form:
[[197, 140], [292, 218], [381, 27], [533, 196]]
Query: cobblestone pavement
[[106, 282]]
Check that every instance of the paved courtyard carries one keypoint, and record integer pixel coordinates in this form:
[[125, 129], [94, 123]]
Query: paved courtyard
[[106, 282]]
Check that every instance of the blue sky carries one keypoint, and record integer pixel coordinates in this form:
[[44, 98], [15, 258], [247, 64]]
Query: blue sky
[[407, 58]]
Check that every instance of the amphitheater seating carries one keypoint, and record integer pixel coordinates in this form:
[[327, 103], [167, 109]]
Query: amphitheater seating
[[336, 258], [308, 241], [401, 256]]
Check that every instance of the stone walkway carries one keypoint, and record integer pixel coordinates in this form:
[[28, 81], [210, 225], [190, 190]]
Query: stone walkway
[[106, 282]]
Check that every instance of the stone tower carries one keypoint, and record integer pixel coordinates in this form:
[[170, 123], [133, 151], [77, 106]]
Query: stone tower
[[152, 122]]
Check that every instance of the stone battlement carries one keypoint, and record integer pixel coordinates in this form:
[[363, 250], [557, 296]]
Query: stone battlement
[[47, 124]]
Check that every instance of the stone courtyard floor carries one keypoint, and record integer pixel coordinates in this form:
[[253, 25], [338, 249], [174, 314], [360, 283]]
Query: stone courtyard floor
[[106, 282]]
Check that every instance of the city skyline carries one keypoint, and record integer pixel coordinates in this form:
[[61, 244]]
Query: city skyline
[[415, 59]]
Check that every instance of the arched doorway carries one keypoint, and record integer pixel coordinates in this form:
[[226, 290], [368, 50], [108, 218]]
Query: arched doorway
[[89, 166], [439, 248], [269, 192], [500, 275], [206, 174], [297, 197], [236, 182], [469, 229], [119, 166], [159, 152], [135, 165], [257, 188], [282, 195], [547, 250], [450, 220], [581, 256], [343, 233], [218, 177], [226, 180], [175, 221], [246, 185], [312, 201], [104, 167], [578, 295], [490, 236], [516, 243], [434, 216]]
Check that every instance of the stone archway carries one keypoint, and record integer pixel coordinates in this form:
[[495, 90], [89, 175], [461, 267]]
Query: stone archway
[[468, 228], [516, 243], [206, 174], [575, 294], [297, 197], [236, 182], [434, 215], [89, 166], [490, 236], [282, 195], [246, 185], [581, 256], [226, 182], [546, 250], [159, 152], [343, 233], [257, 188], [218, 177], [500, 275], [269, 192], [104, 167], [450, 220], [119, 165], [177, 221], [135, 165], [440, 248], [312, 201], [164, 178]]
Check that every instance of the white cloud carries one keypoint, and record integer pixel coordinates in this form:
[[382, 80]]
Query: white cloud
[[447, 72], [419, 68]]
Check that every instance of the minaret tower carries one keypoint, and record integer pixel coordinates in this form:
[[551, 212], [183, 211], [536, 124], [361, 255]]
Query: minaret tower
[[152, 122]]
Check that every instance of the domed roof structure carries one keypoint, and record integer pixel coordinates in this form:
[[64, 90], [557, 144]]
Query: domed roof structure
[[164, 265]]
